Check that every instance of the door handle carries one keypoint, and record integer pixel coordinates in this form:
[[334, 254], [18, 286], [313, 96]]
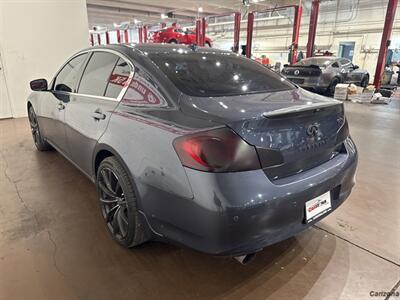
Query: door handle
[[60, 106], [98, 115]]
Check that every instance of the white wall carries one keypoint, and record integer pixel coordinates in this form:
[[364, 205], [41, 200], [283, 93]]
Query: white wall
[[36, 37]]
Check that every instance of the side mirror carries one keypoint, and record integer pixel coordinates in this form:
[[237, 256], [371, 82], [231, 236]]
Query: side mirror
[[355, 67], [38, 85]]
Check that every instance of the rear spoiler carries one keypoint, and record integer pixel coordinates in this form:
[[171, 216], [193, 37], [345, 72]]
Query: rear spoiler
[[299, 108], [300, 66]]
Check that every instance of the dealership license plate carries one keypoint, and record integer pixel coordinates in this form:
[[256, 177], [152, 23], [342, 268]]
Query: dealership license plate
[[318, 206]]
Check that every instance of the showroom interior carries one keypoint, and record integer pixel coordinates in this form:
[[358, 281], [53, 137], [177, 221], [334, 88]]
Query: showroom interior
[[53, 240]]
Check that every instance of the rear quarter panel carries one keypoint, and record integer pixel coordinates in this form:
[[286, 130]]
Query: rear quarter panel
[[145, 146]]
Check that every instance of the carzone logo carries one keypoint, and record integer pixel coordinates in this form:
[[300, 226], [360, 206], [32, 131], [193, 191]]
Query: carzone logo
[[316, 205]]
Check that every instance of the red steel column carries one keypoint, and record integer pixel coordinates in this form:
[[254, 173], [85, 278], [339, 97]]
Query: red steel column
[[119, 36], [99, 39], [236, 32], [140, 33], [145, 34], [203, 32], [385, 42], [296, 32], [126, 36], [312, 28], [91, 39], [250, 23], [107, 37], [198, 32]]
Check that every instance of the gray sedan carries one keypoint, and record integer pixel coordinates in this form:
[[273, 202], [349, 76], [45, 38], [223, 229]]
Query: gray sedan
[[322, 74], [195, 146]]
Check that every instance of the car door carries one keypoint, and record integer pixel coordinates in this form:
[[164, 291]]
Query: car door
[[53, 103], [99, 91]]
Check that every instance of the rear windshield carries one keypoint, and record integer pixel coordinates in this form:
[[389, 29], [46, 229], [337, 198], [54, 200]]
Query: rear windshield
[[217, 74], [316, 61]]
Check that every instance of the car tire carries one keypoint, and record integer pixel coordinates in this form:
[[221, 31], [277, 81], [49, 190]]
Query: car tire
[[208, 44], [364, 81], [118, 203], [38, 139], [173, 42], [330, 91]]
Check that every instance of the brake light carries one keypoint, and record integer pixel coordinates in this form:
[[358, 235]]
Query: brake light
[[218, 150]]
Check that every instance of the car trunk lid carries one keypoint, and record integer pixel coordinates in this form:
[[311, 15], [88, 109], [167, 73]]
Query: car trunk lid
[[292, 131]]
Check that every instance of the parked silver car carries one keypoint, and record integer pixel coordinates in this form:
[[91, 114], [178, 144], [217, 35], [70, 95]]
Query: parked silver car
[[322, 74]]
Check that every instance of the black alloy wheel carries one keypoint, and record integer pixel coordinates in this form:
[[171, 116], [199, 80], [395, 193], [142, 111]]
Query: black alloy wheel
[[364, 82], [118, 203], [331, 89], [39, 141]]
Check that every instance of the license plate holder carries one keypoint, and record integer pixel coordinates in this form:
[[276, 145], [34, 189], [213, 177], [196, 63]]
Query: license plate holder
[[318, 206]]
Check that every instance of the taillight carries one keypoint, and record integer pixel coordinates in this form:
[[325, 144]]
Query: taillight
[[218, 150]]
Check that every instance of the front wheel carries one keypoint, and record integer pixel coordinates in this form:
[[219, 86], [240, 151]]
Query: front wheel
[[173, 42], [208, 44], [38, 139], [118, 203]]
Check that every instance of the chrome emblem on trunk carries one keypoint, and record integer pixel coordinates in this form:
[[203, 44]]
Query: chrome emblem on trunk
[[296, 72], [313, 130]]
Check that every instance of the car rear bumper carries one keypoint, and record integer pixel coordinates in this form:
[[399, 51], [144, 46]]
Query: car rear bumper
[[243, 212]]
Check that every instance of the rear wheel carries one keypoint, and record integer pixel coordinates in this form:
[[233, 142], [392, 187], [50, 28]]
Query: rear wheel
[[38, 139], [118, 203], [330, 91], [173, 42], [208, 44], [365, 81]]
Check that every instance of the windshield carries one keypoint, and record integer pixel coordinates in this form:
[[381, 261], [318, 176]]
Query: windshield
[[210, 74], [317, 61]]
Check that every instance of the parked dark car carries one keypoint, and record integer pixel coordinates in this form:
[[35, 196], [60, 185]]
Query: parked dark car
[[322, 74], [196, 146]]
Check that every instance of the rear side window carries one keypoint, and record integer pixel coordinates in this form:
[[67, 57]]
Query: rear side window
[[345, 62], [118, 78], [210, 74], [97, 73], [67, 77]]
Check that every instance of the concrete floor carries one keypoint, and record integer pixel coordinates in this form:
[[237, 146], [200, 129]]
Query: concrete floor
[[53, 244]]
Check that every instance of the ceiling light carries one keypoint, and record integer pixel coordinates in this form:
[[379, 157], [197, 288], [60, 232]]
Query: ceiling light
[[135, 21], [200, 9], [244, 88], [217, 63], [235, 77], [164, 16]]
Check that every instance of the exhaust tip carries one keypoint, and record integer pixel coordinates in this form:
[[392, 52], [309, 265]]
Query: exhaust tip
[[245, 259]]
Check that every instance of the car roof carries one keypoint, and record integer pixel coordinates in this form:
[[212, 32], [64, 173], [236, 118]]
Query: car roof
[[146, 48]]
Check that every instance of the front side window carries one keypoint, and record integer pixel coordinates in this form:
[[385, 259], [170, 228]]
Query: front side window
[[97, 73], [67, 77], [217, 74]]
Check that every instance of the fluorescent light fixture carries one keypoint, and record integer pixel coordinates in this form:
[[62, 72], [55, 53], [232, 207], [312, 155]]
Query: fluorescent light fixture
[[200, 9], [164, 16]]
